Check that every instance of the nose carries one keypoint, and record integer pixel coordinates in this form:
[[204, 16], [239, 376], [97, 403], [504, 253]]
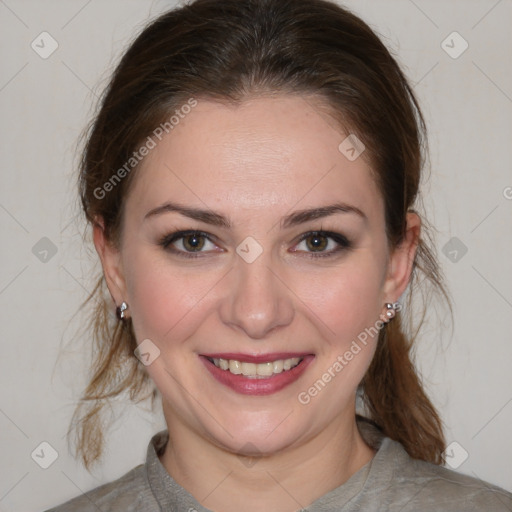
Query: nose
[[257, 300]]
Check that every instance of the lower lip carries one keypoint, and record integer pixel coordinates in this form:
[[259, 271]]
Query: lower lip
[[260, 386]]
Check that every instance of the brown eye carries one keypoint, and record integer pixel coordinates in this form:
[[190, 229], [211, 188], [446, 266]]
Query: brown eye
[[189, 243], [193, 243], [322, 243], [317, 242]]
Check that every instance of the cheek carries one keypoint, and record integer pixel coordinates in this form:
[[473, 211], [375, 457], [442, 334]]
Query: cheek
[[347, 300], [162, 298], [169, 302], [349, 303]]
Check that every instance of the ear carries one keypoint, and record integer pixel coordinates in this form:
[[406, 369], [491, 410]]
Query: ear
[[110, 261], [402, 259]]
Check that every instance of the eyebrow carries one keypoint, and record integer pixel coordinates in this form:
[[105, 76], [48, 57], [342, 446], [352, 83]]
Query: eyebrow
[[293, 219]]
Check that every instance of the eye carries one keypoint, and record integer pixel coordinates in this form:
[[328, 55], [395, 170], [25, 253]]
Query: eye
[[322, 243], [189, 243]]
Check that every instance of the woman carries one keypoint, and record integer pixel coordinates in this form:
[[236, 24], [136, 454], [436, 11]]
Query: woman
[[250, 180]]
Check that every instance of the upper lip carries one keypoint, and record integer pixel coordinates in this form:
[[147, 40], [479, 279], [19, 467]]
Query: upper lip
[[256, 358]]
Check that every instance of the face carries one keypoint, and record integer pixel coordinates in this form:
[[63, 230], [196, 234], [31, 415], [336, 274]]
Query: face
[[254, 257]]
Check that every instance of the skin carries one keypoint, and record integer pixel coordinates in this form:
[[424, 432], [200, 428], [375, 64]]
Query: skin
[[255, 164]]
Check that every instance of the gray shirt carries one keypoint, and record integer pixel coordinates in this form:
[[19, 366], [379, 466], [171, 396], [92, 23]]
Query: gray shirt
[[391, 482]]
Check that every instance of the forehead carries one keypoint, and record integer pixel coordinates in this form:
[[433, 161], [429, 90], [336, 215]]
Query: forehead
[[265, 152]]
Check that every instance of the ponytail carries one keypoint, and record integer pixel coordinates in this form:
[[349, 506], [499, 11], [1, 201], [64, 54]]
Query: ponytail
[[395, 399]]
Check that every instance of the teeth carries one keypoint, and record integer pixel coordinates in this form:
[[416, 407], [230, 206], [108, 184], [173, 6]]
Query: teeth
[[265, 369], [248, 369], [278, 366], [235, 367], [255, 371]]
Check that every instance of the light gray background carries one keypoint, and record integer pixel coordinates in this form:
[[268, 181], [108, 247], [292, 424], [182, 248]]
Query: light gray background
[[45, 105]]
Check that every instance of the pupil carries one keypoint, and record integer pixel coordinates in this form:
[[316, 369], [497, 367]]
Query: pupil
[[193, 242], [317, 242]]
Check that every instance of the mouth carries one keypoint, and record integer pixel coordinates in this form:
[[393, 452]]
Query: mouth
[[256, 375], [256, 370]]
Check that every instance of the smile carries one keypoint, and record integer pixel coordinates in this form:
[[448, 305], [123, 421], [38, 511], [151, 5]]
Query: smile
[[256, 370], [256, 375]]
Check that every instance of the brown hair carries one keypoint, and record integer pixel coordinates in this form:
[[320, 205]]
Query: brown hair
[[228, 50]]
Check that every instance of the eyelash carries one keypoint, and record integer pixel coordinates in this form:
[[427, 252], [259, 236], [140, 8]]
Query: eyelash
[[167, 241]]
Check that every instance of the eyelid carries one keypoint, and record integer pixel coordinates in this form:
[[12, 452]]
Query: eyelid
[[167, 240], [342, 242]]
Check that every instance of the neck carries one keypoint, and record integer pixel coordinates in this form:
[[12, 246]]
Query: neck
[[285, 481]]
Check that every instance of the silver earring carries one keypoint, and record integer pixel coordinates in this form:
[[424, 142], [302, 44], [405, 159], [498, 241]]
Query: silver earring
[[120, 311], [390, 312]]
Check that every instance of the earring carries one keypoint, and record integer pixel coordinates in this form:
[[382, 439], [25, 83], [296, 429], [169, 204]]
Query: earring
[[120, 311], [390, 312]]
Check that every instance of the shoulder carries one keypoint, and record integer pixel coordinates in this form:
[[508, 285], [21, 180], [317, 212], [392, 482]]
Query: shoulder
[[129, 493], [420, 486]]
